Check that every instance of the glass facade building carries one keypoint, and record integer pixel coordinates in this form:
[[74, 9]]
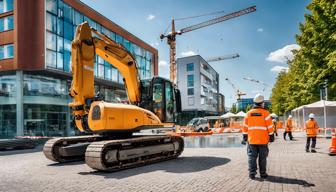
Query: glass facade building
[[34, 100], [61, 23]]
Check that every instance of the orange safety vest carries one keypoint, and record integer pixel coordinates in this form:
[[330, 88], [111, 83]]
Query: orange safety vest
[[280, 125], [311, 128], [289, 125], [258, 126]]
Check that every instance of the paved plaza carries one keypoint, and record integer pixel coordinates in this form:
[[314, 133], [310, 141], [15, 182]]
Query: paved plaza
[[198, 169]]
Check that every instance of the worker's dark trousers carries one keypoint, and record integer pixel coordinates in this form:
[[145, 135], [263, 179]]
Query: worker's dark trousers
[[313, 142], [289, 134], [255, 152]]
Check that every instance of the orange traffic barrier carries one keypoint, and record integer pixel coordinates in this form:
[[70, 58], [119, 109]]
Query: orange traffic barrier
[[332, 149], [190, 133]]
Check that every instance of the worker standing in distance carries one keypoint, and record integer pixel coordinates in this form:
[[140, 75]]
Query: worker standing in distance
[[289, 128], [311, 130], [258, 131], [275, 123]]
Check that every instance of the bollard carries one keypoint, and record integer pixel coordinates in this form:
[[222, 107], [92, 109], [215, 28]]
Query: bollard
[[332, 149]]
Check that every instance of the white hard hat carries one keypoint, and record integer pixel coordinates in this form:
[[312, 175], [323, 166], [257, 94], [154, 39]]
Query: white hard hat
[[311, 116], [258, 98], [273, 115], [290, 116]]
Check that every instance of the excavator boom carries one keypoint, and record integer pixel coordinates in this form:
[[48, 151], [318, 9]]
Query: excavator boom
[[113, 147]]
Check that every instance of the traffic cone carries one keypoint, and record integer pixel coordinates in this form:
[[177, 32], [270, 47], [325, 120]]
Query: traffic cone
[[332, 149]]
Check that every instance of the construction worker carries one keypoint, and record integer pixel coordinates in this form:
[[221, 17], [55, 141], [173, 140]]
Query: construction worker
[[275, 125], [289, 128], [311, 130], [258, 131], [280, 124]]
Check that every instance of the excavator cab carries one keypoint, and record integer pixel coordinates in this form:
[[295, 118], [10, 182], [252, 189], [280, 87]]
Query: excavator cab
[[161, 97]]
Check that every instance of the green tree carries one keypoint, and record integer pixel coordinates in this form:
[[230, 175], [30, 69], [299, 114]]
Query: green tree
[[313, 63], [248, 107], [233, 108]]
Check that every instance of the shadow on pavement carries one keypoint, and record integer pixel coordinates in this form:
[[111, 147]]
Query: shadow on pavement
[[21, 151], [284, 180], [66, 164], [179, 165]]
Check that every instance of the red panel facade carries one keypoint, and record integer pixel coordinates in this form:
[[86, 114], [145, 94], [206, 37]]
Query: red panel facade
[[28, 35]]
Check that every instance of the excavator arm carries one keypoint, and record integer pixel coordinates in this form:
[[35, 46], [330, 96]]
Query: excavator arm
[[84, 49], [113, 146]]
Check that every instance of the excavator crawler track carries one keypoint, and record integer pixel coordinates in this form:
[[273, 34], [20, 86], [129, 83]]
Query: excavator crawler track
[[114, 155], [54, 148]]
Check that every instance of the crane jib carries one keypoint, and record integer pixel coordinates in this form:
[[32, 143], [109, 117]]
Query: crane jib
[[219, 19]]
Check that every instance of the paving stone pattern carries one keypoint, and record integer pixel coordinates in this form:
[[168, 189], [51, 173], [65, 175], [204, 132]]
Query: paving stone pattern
[[198, 169]]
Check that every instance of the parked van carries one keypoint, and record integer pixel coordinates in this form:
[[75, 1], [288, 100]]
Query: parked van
[[198, 125]]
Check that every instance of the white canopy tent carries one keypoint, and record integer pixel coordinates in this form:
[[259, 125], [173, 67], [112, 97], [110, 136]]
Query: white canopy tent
[[240, 114], [325, 114], [227, 115]]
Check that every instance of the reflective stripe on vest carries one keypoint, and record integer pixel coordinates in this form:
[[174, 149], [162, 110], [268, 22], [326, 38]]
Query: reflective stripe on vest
[[257, 128]]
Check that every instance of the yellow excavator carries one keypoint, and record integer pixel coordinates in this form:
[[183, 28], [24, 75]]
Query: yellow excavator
[[112, 146]]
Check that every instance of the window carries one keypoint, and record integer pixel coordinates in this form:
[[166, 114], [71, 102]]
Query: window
[[51, 6], [67, 10], [60, 28], [190, 91], [6, 23], [119, 39], [191, 101], [78, 18], [108, 71], [60, 47], [190, 67], [51, 41], [114, 74], [169, 102], [51, 59], [100, 70], [51, 22], [60, 61], [120, 78], [68, 31], [190, 82], [67, 61], [6, 6], [6, 51]]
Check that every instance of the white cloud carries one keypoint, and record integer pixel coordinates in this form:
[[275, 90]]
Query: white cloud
[[260, 30], [284, 54], [154, 44], [278, 69], [187, 53], [163, 63], [150, 17]]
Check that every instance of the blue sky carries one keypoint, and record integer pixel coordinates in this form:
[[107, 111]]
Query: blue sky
[[263, 38]]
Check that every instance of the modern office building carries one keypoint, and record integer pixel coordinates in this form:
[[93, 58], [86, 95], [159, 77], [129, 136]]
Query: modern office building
[[221, 104], [198, 83], [35, 56]]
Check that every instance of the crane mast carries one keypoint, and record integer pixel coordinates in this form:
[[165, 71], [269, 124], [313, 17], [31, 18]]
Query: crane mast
[[171, 36]]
